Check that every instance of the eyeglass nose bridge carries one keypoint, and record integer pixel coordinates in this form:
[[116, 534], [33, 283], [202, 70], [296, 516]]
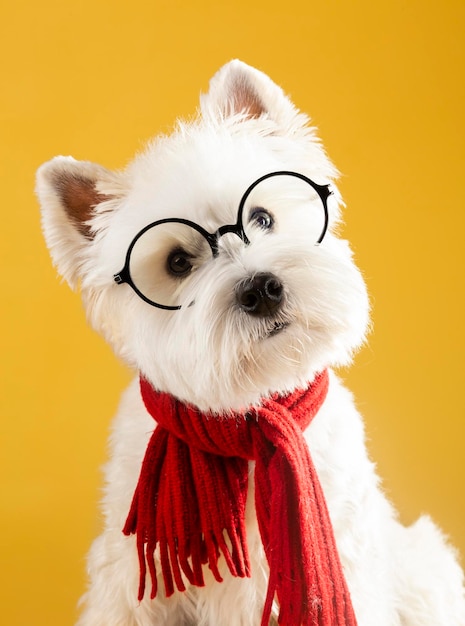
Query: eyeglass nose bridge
[[236, 229]]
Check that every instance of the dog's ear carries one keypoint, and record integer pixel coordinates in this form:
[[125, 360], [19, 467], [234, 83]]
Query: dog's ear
[[239, 88], [73, 194]]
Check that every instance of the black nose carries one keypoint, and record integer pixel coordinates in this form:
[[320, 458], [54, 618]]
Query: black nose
[[261, 295]]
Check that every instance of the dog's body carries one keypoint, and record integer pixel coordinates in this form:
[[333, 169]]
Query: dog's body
[[220, 351]]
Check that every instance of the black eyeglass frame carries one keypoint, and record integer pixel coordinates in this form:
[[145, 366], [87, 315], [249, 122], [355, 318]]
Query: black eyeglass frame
[[124, 276]]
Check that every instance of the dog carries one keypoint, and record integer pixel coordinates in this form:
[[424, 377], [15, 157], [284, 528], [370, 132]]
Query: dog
[[212, 266]]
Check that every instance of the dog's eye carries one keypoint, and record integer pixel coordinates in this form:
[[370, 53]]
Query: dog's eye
[[261, 218], [178, 263]]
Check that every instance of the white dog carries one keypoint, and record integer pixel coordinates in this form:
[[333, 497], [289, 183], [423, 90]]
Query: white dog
[[212, 267]]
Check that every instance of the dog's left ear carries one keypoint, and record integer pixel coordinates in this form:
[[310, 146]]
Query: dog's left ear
[[238, 88]]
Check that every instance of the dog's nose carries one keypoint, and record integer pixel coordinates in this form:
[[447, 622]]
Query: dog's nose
[[261, 295]]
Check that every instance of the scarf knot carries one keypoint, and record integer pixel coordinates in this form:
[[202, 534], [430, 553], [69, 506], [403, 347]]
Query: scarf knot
[[191, 497]]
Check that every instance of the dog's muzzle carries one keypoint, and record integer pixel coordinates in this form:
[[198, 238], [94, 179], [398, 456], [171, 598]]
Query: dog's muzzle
[[261, 295]]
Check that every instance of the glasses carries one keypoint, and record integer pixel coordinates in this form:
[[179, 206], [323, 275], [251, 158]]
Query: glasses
[[165, 255]]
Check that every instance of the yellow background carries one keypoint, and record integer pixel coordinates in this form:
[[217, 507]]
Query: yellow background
[[383, 81]]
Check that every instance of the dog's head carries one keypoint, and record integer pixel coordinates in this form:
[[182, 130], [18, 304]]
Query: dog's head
[[211, 263]]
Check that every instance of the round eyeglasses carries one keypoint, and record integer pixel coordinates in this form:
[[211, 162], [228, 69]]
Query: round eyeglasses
[[165, 254]]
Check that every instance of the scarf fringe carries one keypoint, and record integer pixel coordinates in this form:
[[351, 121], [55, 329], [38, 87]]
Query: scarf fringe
[[155, 516]]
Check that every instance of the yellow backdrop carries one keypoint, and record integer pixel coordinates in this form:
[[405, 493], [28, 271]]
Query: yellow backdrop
[[383, 81]]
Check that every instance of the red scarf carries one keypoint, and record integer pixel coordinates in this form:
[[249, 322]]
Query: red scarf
[[192, 492]]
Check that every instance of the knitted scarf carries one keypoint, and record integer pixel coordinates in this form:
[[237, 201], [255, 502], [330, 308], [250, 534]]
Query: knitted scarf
[[191, 497]]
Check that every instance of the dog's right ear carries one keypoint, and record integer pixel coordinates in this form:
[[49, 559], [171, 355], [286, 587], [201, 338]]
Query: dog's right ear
[[73, 194]]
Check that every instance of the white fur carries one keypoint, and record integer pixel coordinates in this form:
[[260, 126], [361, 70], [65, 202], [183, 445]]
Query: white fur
[[218, 357]]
